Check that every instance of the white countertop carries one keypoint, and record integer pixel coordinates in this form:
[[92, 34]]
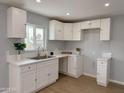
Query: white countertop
[[27, 61]]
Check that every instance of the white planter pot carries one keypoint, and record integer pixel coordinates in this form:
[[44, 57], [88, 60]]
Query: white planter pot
[[18, 57]]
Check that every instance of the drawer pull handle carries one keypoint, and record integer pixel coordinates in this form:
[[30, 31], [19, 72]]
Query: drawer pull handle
[[29, 67]]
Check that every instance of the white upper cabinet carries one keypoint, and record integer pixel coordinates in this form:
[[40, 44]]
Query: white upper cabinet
[[56, 30], [16, 21], [64, 31], [77, 31], [105, 29], [68, 31], [93, 24], [74, 31], [85, 25]]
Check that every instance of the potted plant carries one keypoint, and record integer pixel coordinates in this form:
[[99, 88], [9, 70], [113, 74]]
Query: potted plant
[[19, 47]]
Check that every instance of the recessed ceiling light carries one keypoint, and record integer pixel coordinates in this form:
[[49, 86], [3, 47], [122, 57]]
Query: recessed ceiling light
[[107, 4], [38, 1], [67, 14]]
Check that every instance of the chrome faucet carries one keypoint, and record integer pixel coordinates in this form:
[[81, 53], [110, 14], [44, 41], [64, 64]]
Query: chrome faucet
[[38, 52], [43, 50]]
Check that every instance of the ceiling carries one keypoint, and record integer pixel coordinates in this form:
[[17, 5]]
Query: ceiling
[[78, 9]]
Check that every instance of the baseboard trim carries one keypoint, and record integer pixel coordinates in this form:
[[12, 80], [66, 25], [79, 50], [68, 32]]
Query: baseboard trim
[[90, 75], [113, 81], [117, 82], [6, 91]]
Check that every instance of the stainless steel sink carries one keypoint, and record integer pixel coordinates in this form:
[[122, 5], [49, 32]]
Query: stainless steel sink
[[42, 57]]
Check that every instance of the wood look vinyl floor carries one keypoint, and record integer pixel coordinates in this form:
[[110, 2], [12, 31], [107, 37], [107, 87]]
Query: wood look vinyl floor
[[84, 84]]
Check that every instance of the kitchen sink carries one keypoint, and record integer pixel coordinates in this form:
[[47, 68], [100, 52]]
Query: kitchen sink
[[42, 57]]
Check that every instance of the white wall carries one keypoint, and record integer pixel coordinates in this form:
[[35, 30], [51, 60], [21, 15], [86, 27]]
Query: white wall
[[3, 48], [117, 47]]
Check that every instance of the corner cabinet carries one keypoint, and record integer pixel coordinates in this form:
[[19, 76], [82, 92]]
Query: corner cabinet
[[16, 23], [32, 77], [64, 31], [105, 29], [56, 30]]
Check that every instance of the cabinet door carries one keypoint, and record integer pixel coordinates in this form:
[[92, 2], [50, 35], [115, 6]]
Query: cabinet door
[[101, 75], [72, 65], [42, 77], [77, 31], [17, 19], [85, 25], [79, 60], [95, 24], [63, 65], [27, 82], [68, 31], [105, 29], [56, 30], [59, 33], [102, 71], [52, 72]]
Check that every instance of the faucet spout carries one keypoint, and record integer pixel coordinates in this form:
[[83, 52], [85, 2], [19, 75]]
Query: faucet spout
[[38, 52]]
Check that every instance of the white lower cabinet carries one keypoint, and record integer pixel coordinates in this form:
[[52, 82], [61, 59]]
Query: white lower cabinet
[[52, 73], [103, 72], [75, 66], [71, 65], [41, 77], [63, 65], [27, 82], [47, 73], [32, 77]]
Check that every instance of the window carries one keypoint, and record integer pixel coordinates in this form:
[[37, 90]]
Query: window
[[35, 37]]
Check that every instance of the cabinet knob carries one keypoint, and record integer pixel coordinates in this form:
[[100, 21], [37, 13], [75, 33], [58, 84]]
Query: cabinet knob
[[29, 67], [101, 62], [89, 22], [35, 79]]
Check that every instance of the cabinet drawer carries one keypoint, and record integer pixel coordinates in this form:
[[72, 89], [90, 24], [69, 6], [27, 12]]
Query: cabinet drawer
[[102, 63], [41, 64], [28, 68]]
